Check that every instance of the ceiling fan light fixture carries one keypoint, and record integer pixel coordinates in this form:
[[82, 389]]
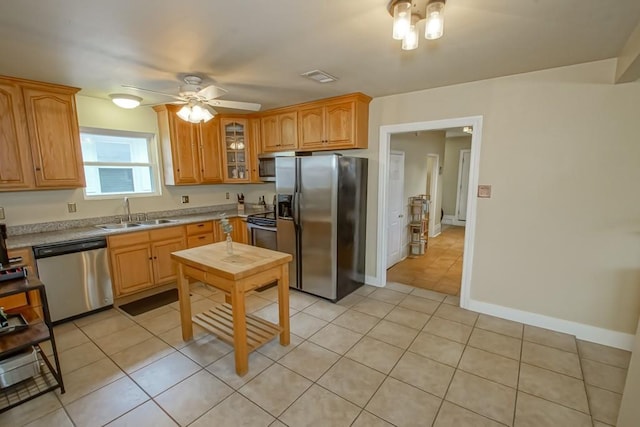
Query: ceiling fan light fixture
[[195, 113], [401, 19], [124, 100], [434, 28]]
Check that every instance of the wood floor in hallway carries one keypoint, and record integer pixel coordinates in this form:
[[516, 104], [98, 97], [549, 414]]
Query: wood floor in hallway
[[439, 269]]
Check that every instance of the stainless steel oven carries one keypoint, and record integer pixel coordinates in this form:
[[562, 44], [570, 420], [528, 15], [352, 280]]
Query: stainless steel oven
[[263, 230]]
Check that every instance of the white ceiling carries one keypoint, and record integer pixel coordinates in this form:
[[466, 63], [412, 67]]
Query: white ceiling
[[257, 48]]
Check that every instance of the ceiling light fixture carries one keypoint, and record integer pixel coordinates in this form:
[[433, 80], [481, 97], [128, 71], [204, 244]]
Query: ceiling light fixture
[[319, 76], [406, 15], [124, 100], [195, 112]]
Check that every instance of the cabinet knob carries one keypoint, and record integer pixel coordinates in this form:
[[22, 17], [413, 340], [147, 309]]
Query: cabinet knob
[[38, 169], [202, 237], [150, 258]]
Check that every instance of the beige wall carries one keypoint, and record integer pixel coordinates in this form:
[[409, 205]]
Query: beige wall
[[629, 415], [28, 207], [450, 171], [561, 234]]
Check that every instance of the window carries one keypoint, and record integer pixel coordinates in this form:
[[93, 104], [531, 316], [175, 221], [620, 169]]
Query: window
[[118, 163]]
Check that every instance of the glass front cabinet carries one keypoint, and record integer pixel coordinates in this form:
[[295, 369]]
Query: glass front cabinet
[[236, 149]]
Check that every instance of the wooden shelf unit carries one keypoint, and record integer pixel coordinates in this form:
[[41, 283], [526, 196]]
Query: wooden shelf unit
[[418, 224], [40, 329]]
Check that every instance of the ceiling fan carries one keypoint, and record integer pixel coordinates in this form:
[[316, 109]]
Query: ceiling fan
[[198, 100]]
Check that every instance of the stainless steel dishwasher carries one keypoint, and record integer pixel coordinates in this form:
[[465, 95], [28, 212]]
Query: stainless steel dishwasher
[[76, 276]]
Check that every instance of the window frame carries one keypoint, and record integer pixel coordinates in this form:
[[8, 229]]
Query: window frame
[[152, 149]]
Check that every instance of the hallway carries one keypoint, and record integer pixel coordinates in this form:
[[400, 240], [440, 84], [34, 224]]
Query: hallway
[[439, 269]]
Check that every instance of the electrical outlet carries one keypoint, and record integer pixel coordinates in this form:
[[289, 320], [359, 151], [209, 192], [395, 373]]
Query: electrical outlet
[[2, 212], [71, 207], [227, 196], [185, 199]]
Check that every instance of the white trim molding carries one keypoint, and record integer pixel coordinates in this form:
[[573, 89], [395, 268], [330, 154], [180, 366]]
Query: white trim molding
[[383, 171], [582, 331], [372, 280], [452, 220]]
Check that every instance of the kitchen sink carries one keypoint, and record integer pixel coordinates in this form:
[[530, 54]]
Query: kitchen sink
[[118, 226], [121, 225], [156, 221]]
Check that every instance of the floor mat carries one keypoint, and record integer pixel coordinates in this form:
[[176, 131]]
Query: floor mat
[[149, 303]]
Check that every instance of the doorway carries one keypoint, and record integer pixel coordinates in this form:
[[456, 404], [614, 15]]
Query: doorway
[[463, 185], [433, 167], [384, 153]]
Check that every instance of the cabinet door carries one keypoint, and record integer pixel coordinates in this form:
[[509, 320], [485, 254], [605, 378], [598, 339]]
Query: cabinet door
[[240, 233], [16, 171], [311, 128], [210, 162], [339, 125], [164, 268], [254, 147], [288, 127], [185, 150], [131, 269], [236, 149], [269, 133], [54, 137]]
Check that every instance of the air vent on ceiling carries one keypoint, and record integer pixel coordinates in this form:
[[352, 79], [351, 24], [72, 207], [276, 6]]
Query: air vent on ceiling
[[319, 76]]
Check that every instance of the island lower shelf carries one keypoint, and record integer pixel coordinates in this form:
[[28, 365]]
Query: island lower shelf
[[219, 321]]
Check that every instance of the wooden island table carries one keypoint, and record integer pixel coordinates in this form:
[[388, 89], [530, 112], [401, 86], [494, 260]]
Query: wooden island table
[[248, 268]]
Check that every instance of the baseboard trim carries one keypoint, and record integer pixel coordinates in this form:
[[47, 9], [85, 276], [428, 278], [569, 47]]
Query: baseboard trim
[[372, 280], [580, 330], [451, 220]]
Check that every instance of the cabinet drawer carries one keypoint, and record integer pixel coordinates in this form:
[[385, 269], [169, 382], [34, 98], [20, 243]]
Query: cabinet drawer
[[128, 239], [199, 240], [166, 233], [200, 227]]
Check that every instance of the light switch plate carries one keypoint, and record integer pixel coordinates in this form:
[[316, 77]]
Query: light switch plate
[[484, 191], [1, 213], [185, 199], [71, 207]]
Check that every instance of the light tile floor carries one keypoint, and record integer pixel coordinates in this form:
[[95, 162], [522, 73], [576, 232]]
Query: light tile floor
[[439, 269], [395, 356]]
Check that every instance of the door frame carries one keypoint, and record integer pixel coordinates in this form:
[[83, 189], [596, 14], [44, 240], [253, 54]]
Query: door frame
[[403, 254], [457, 220], [383, 157], [433, 195]]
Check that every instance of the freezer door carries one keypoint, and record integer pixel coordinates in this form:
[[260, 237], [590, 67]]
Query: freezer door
[[317, 201], [285, 175]]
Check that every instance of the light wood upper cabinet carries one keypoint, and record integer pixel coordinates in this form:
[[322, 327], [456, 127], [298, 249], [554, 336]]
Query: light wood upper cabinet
[[191, 152], [55, 137], [338, 123], [255, 142], [279, 131], [15, 168], [236, 149], [39, 136]]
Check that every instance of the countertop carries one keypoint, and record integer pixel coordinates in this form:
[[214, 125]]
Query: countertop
[[42, 238]]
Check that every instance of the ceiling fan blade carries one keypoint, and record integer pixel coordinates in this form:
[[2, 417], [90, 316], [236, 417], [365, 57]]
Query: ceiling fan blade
[[236, 105], [155, 91], [212, 92]]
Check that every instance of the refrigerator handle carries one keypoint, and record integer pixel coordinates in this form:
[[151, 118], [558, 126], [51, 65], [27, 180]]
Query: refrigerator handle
[[296, 210]]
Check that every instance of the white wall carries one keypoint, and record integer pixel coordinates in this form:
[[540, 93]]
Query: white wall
[[561, 234], [450, 171], [29, 207]]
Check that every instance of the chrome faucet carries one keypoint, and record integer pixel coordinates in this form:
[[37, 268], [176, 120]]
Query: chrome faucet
[[127, 209]]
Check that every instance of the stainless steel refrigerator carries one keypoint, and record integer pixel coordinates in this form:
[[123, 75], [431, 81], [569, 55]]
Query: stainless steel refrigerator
[[321, 217]]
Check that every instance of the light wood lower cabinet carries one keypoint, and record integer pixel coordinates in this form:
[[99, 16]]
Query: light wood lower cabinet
[[200, 234], [240, 233], [142, 260]]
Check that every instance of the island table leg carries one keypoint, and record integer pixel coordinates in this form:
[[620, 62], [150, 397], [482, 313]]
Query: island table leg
[[239, 332], [185, 304], [283, 304]]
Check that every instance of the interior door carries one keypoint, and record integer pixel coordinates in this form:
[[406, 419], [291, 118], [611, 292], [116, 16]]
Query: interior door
[[395, 217], [463, 184]]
